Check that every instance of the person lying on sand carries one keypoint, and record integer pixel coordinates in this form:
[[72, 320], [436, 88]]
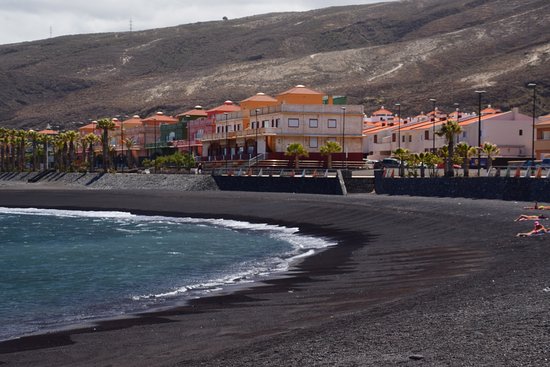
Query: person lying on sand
[[537, 207], [539, 229], [530, 217]]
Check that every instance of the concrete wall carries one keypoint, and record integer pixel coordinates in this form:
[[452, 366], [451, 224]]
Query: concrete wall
[[502, 188], [307, 185]]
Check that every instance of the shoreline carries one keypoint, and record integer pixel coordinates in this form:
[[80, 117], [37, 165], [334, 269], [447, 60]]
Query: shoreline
[[411, 276]]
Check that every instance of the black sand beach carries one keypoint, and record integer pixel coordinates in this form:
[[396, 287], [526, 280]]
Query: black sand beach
[[413, 282]]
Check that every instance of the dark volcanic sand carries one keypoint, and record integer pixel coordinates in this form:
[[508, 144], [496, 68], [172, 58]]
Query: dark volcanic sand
[[414, 281]]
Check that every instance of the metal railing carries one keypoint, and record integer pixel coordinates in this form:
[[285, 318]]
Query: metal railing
[[275, 172]]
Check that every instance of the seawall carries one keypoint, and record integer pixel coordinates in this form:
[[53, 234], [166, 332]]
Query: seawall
[[502, 188]]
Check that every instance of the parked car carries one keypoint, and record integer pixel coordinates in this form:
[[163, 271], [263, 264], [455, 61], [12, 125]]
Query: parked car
[[389, 163], [370, 163]]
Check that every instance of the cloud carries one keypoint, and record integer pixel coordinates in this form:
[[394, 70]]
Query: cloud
[[33, 19]]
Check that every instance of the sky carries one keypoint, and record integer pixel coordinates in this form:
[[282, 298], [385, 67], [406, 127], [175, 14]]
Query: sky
[[29, 20]]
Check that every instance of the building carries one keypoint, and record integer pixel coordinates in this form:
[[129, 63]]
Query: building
[[265, 126], [510, 131], [542, 143]]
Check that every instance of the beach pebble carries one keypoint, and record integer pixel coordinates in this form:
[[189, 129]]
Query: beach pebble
[[416, 357]]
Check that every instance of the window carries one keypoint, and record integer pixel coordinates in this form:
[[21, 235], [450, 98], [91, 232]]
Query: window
[[520, 132], [332, 123], [410, 138], [426, 135], [375, 139], [393, 139], [403, 137], [277, 122], [313, 123], [313, 143], [293, 123]]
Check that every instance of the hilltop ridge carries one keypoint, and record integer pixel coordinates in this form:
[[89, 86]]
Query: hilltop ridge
[[405, 51]]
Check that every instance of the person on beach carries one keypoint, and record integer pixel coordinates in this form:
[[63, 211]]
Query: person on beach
[[199, 168], [538, 207], [530, 217], [539, 229]]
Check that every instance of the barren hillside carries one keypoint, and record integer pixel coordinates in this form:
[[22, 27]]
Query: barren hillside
[[407, 51]]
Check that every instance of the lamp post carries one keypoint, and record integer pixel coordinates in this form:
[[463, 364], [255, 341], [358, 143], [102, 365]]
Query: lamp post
[[534, 86], [256, 144], [226, 142], [187, 121], [343, 132], [122, 144], [479, 94], [457, 109], [433, 124], [398, 125]]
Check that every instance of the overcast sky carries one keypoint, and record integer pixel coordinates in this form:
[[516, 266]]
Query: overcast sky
[[28, 20]]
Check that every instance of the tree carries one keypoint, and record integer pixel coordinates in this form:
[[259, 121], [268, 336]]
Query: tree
[[296, 150], [328, 149], [90, 139], [490, 150], [105, 124], [449, 130], [402, 154], [465, 152], [71, 137], [34, 136], [129, 143]]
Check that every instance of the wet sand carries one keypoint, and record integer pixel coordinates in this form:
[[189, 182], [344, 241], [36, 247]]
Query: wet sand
[[413, 281]]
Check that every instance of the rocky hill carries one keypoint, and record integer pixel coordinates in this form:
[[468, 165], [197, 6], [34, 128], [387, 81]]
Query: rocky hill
[[406, 51]]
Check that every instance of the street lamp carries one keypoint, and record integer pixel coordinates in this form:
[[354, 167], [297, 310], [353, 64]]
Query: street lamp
[[457, 109], [534, 86], [226, 143], [479, 94], [398, 125], [187, 121], [256, 145], [343, 134], [122, 143], [433, 124]]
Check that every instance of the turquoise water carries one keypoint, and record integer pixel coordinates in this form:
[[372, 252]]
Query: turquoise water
[[59, 268]]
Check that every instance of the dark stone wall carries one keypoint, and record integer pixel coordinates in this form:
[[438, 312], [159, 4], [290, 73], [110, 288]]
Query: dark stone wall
[[305, 185], [359, 185], [503, 188]]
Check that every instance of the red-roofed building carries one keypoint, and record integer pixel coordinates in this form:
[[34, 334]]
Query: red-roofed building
[[152, 135], [510, 131], [266, 126]]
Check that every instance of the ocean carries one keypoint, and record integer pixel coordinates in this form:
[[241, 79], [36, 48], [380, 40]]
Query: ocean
[[60, 268]]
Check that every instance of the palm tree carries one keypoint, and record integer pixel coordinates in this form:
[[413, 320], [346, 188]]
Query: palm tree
[[425, 159], [129, 143], [105, 124], [449, 130], [402, 154], [90, 139], [34, 136], [71, 137], [465, 152], [490, 150], [329, 148], [58, 143], [22, 148], [3, 148], [296, 150]]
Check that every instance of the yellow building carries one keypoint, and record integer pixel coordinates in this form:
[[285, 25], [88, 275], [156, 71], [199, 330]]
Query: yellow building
[[266, 126]]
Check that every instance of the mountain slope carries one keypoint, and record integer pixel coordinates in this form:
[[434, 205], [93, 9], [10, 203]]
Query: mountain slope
[[407, 51]]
